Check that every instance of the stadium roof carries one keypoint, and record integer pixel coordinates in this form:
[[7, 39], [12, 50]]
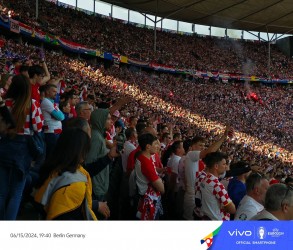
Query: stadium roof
[[272, 16]]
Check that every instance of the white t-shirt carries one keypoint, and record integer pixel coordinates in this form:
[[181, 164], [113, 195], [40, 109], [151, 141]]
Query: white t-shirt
[[51, 125], [247, 208], [127, 149], [173, 163], [181, 172], [191, 167]]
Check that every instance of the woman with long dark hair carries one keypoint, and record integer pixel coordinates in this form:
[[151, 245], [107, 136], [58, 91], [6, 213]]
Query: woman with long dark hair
[[15, 158], [65, 188]]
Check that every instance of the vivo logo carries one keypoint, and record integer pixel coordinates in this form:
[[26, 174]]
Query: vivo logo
[[240, 233]]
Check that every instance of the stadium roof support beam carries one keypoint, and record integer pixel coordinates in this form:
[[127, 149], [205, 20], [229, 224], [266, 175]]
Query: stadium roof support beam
[[37, 9], [269, 51], [255, 35], [283, 34], [155, 28], [155, 24]]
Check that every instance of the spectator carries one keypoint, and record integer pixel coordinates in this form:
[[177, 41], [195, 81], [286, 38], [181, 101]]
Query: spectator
[[100, 121], [150, 185], [52, 118], [253, 202], [289, 181], [177, 150], [278, 204], [236, 187], [73, 100], [15, 160], [64, 106], [5, 83], [63, 176], [132, 122], [83, 110], [39, 75], [193, 166], [216, 203]]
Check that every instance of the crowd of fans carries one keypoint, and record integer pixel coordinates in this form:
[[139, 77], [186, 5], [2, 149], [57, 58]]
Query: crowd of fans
[[180, 51], [192, 117]]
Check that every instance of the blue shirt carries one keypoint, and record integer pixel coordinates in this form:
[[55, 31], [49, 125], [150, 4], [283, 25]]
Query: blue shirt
[[236, 190]]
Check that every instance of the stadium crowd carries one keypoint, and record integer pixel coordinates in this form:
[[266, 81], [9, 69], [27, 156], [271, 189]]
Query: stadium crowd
[[180, 51], [71, 100]]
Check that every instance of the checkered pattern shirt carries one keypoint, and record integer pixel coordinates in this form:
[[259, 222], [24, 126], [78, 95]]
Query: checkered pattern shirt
[[37, 118], [215, 191], [199, 178]]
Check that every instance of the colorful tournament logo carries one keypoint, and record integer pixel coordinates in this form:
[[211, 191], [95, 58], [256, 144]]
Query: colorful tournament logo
[[209, 238], [261, 233]]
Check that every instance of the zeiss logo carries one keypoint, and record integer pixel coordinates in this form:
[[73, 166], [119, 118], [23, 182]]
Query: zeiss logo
[[240, 233]]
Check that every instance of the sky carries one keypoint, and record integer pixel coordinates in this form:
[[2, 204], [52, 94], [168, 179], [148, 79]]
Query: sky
[[121, 13]]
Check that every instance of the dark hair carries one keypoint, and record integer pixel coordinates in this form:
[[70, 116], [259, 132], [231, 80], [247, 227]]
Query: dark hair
[[70, 94], [288, 180], [129, 132], [131, 118], [170, 150], [140, 126], [35, 70], [253, 180], [213, 158], [71, 149], [23, 68], [197, 139], [76, 122], [176, 135], [103, 105], [145, 139], [187, 145], [63, 104], [48, 86]]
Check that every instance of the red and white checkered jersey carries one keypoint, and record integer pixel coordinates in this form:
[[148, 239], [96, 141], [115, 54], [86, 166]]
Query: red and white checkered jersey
[[199, 178], [37, 117], [214, 198]]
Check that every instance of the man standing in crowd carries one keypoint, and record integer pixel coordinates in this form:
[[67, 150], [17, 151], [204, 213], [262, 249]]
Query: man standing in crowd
[[216, 203], [132, 122], [194, 165], [150, 185], [52, 118], [128, 147], [236, 187], [39, 76], [73, 99], [252, 203], [83, 110]]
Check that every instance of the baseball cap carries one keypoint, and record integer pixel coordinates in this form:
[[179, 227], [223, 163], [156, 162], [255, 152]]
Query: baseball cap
[[238, 168]]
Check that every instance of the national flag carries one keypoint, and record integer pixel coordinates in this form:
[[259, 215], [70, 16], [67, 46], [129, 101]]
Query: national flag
[[14, 26]]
